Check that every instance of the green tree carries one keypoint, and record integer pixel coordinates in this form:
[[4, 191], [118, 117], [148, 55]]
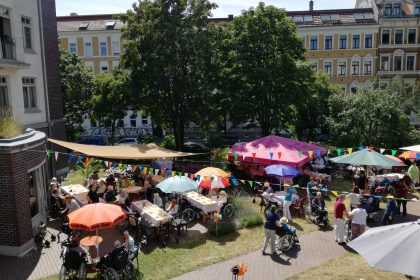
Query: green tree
[[77, 89], [370, 117], [111, 99], [263, 68], [312, 110], [169, 52]]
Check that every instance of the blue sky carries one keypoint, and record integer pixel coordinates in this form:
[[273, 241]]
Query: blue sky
[[83, 7]]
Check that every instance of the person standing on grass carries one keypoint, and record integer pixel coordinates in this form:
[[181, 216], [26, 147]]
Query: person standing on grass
[[402, 195], [288, 196], [354, 197], [358, 221], [414, 173], [390, 211], [270, 230], [339, 212]]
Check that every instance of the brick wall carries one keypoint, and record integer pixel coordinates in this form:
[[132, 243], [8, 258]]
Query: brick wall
[[15, 214]]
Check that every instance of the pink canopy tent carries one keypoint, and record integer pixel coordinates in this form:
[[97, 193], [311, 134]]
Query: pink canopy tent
[[275, 150]]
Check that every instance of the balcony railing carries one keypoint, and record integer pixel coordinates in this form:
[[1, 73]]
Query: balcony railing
[[7, 49]]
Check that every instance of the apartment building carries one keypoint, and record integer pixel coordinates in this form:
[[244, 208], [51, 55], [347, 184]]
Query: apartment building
[[341, 43], [30, 88], [96, 40]]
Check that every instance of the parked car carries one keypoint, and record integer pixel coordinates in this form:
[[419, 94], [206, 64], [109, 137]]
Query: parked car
[[127, 142], [195, 147]]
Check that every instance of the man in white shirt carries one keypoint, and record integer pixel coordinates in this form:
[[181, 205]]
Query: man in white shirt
[[319, 163], [358, 221]]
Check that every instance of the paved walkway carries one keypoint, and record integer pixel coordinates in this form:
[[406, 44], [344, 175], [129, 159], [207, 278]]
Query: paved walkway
[[315, 248]]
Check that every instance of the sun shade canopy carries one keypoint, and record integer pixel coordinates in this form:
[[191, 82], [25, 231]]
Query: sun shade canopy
[[147, 151]]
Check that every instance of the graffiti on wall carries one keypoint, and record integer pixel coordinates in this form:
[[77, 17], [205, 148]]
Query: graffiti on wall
[[119, 132]]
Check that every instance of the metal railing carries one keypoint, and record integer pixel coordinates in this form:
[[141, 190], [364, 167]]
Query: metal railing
[[7, 50]]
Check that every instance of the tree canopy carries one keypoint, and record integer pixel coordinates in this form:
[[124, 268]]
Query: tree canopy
[[168, 52], [77, 89]]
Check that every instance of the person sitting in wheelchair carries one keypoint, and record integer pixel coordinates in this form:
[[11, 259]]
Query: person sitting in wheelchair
[[284, 228], [149, 230], [318, 208], [110, 257]]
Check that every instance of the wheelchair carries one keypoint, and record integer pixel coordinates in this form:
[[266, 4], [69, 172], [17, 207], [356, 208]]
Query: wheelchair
[[74, 264], [317, 215], [285, 238], [115, 266], [347, 233], [227, 209]]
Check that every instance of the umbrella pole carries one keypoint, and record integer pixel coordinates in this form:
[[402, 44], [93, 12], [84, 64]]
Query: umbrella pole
[[97, 247]]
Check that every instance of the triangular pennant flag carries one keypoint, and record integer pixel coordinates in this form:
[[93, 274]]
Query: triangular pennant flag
[[87, 160], [198, 178], [191, 176], [243, 181], [334, 193], [253, 155], [211, 178], [339, 152], [361, 148], [134, 167], [70, 158], [382, 150], [129, 167], [173, 173], [233, 181], [152, 170], [417, 156], [140, 167], [235, 155], [49, 154], [224, 167], [328, 152], [114, 164], [79, 159], [205, 178], [119, 165], [124, 166], [318, 153], [186, 175], [271, 155], [145, 170], [251, 183], [349, 150], [279, 155], [106, 163], [110, 164], [156, 171], [300, 154], [56, 156], [310, 153], [405, 155], [394, 152], [179, 174]]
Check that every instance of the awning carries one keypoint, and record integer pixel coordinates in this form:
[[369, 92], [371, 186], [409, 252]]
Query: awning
[[146, 151]]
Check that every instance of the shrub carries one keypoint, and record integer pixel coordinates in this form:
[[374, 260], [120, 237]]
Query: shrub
[[168, 142], [222, 228], [251, 220], [9, 128], [149, 138]]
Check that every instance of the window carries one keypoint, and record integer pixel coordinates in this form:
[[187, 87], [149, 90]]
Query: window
[[410, 62], [298, 18], [120, 123], [343, 42], [88, 49], [103, 49], [314, 66], [356, 41], [358, 16], [308, 18], [328, 42], [89, 65], [33, 194], [335, 17], [353, 90], [368, 16], [84, 26], [417, 12], [385, 37], [355, 68], [342, 68], [110, 24], [29, 93], [314, 43], [73, 48], [397, 62], [388, 10], [115, 64], [27, 34], [368, 68], [397, 9], [385, 63], [144, 120], [133, 122], [116, 47], [368, 41], [412, 36], [93, 123], [398, 36], [325, 17], [4, 96], [104, 67], [327, 67]]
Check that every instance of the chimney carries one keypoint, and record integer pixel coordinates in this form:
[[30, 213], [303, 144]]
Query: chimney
[[311, 5], [73, 14], [230, 16]]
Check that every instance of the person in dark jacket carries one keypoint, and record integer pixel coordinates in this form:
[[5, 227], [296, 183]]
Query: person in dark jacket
[[390, 211], [270, 230]]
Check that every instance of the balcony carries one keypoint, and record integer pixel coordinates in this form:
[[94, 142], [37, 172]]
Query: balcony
[[8, 54]]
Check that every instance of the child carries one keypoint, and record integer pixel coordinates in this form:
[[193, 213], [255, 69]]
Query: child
[[390, 211]]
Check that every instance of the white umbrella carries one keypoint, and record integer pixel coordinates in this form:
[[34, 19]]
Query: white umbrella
[[394, 248], [412, 148]]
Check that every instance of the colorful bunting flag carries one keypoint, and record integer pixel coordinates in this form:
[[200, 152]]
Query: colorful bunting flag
[[179, 174], [211, 178], [310, 153], [152, 170], [235, 155], [361, 148], [145, 170], [119, 165], [349, 150], [417, 156], [140, 167], [334, 193], [191, 176], [382, 150], [405, 155], [339, 152], [243, 181], [318, 153], [253, 156], [300, 154], [198, 178], [328, 152], [279, 154], [70, 158], [49, 154], [134, 167], [114, 164], [79, 159], [87, 160], [251, 183], [271, 155], [56, 156], [233, 181], [186, 175], [394, 152], [173, 173], [106, 163], [124, 166]]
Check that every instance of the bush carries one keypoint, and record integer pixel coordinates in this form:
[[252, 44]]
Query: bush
[[251, 220], [168, 142], [222, 228], [149, 139], [9, 128]]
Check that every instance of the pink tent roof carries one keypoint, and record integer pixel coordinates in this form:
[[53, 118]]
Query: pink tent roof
[[275, 149]]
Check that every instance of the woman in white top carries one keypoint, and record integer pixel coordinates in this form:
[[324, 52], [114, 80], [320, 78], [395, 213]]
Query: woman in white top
[[157, 200], [222, 198], [172, 208], [354, 197], [71, 204]]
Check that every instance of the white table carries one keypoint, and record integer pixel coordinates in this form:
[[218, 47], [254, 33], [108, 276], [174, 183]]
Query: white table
[[391, 176], [79, 193], [280, 197], [154, 214], [202, 202]]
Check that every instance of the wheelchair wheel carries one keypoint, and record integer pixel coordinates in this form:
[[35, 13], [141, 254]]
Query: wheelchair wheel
[[130, 271], [63, 272], [188, 215], [81, 274], [375, 217], [110, 274], [347, 233], [284, 243], [228, 211]]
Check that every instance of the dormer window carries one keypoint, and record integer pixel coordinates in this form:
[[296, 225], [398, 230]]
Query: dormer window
[[397, 9], [110, 24], [388, 10], [417, 11], [84, 26]]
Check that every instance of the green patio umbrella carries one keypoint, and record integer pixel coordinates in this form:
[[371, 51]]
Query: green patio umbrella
[[178, 184], [367, 157]]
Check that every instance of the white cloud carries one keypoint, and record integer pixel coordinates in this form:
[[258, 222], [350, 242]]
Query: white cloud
[[83, 7]]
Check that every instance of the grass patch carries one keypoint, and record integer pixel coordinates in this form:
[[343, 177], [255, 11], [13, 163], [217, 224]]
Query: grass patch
[[347, 267], [251, 220], [9, 127], [222, 228], [79, 176]]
